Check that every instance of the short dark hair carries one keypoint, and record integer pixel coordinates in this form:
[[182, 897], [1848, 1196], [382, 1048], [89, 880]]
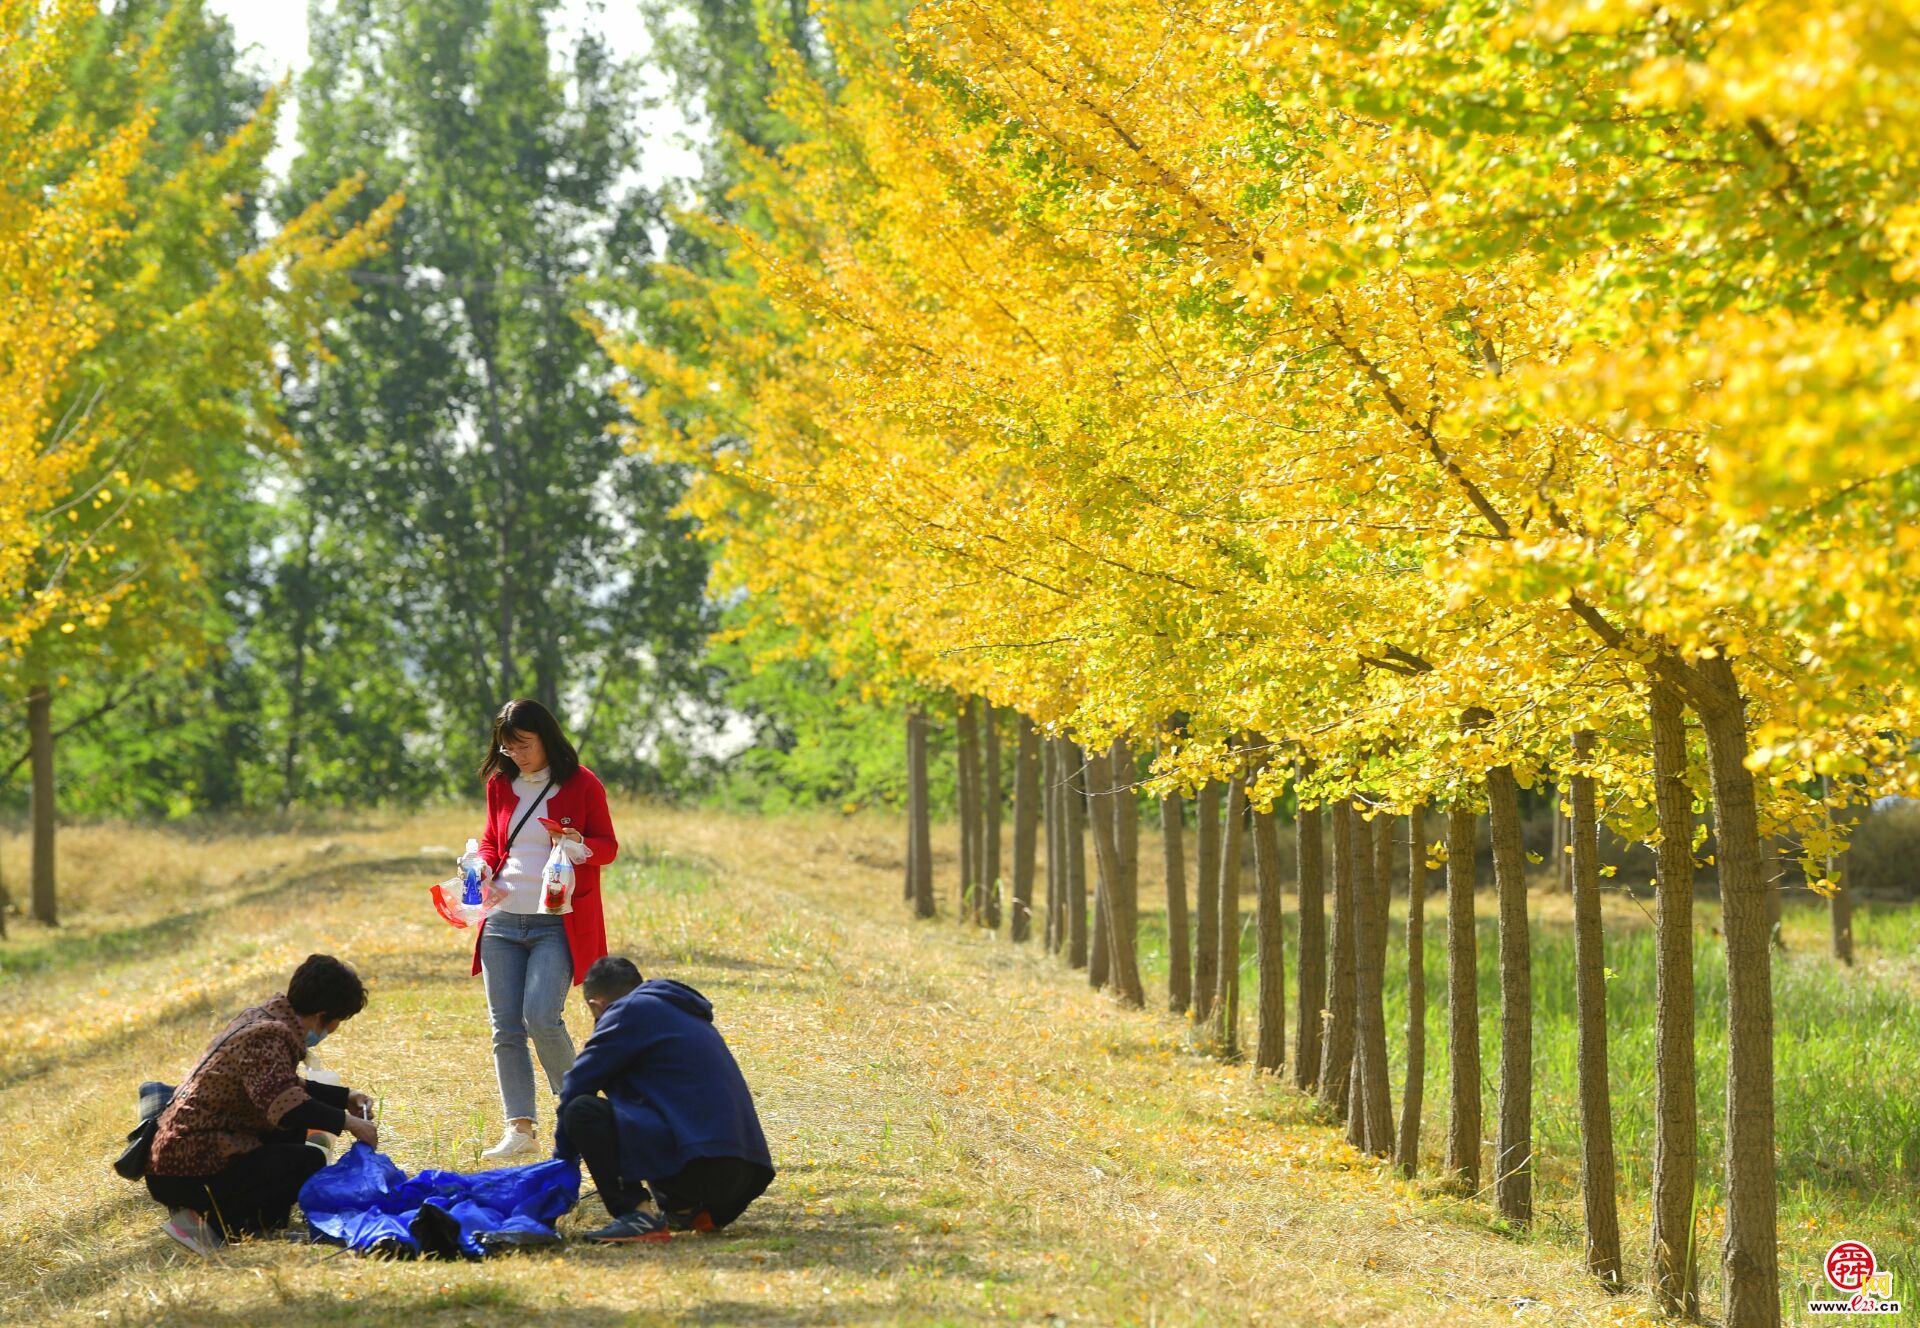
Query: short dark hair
[[525, 715], [610, 978], [324, 985]]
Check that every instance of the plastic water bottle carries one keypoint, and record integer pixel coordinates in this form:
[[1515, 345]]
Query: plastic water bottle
[[472, 868]]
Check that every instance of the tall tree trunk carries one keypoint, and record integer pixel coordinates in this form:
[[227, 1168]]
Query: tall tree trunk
[[1179, 944], [966, 756], [40, 745], [1054, 803], [297, 671], [1076, 880], [1099, 958], [503, 638], [1558, 862], [912, 871], [1370, 1123], [507, 465], [1206, 921], [1380, 1135], [1126, 834], [1774, 866], [1108, 787], [1673, 1268], [1270, 1037], [1226, 971], [1026, 819], [546, 675], [1336, 1046], [1840, 902], [1749, 1258], [1101, 826], [1312, 943], [1513, 1144], [1597, 1176], [1565, 871], [1356, 919], [1463, 999], [1407, 1152], [992, 795], [920, 813]]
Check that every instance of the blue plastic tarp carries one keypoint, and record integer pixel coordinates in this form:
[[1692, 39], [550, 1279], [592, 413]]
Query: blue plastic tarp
[[365, 1202]]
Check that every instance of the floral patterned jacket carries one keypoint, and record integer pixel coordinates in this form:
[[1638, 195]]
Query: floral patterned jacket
[[236, 1095]]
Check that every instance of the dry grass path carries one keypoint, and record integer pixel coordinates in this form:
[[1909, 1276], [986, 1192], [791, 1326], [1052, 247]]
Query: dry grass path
[[965, 1133]]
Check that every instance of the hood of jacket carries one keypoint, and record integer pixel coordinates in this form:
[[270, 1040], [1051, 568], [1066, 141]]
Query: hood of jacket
[[677, 994]]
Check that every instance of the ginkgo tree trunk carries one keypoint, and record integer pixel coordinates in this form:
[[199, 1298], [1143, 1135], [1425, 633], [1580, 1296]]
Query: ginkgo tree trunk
[[1226, 972], [1370, 1110], [1026, 824], [1074, 788], [919, 817], [991, 796], [1839, 897], [1119, 915], [1206, 915], [1336, 1046], [1407, 1146], [1311, 963], [1270, 1036], [1672, 1263], [1597, 1173], [1463, 999], [1053, 803], [966, 756], [1179, 942], [40, 741], [1513, 1138]]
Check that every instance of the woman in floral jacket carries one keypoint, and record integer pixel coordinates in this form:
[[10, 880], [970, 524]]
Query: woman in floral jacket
[[230, 1152]]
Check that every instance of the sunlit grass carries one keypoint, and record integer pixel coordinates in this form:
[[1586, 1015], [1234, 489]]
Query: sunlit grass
[[965, 1133]]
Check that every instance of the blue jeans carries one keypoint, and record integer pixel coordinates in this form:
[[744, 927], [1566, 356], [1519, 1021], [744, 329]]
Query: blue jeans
[[528, 968]]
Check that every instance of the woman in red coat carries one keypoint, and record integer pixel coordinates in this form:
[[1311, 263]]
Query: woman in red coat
[[529, 956]]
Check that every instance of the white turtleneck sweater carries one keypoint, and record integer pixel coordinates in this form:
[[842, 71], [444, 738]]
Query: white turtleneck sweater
[[519, 875]]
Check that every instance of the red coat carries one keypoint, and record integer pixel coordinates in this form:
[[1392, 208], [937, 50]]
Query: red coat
[[583, 801]]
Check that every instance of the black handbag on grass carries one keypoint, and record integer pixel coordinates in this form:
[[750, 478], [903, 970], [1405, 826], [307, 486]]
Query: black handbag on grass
[[154, 1097], [132, 1162]]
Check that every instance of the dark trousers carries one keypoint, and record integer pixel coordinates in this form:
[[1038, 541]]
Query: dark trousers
[[720, 1187], [256, 1191]]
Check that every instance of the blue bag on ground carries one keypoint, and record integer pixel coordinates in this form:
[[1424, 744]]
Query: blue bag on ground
[[366, 1203]]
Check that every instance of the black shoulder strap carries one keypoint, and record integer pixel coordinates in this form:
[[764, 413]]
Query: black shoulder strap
[[224, 1039], [532, 806]]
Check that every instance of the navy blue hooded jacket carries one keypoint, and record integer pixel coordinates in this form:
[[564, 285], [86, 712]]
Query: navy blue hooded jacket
[[677, 1093]]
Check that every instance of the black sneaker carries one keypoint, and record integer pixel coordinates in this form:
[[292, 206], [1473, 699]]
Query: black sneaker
[[689, 1219], [640, 1225]]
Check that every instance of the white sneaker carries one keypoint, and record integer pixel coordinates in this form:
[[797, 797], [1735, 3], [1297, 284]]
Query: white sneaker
[[514, 1143], [193, 1231]]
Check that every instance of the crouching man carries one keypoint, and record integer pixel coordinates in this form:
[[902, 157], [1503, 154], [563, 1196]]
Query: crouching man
[[677, 1119]]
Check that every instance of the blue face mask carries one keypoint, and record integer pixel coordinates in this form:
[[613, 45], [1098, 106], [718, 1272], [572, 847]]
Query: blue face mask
[[318, 1036]]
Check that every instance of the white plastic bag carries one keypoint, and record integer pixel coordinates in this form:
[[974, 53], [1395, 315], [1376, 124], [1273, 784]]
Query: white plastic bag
[[465, 899], [556, 881]]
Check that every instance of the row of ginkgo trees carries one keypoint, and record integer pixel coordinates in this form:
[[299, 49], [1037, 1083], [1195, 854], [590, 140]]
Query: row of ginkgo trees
[[1389, 400]]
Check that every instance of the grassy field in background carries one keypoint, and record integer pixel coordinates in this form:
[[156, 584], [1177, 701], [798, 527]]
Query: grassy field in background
[[965, 1133], [1846, 1057]]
